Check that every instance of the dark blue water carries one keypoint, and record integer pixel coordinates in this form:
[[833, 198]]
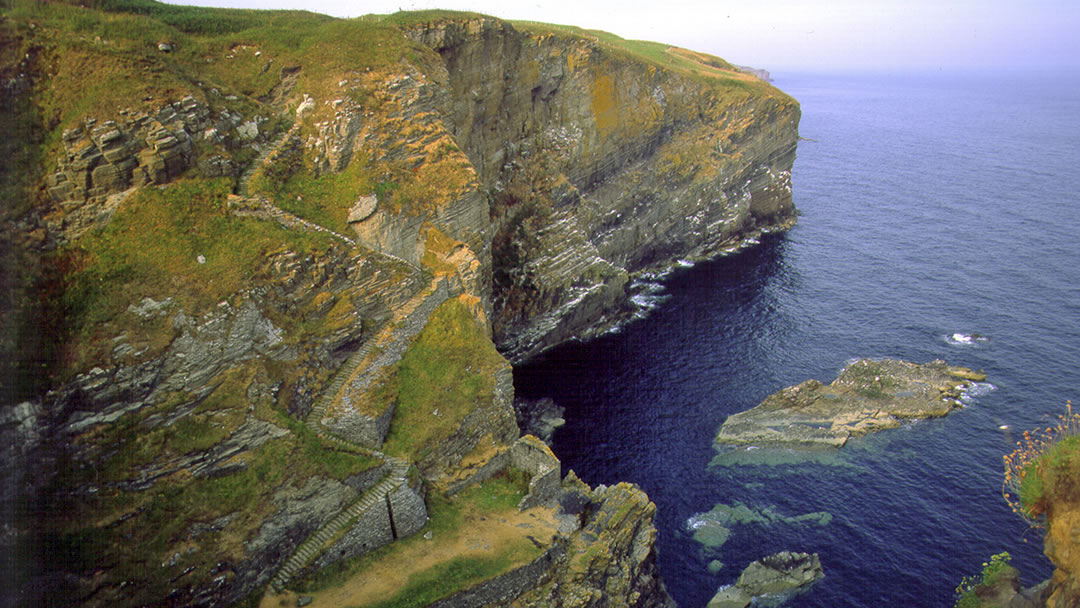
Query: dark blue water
[[931, 205]]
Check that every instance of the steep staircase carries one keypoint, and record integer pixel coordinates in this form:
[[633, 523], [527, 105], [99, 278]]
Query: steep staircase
[[400, 328], [311, 547], [244, 204], [274, 145], [258, 206]]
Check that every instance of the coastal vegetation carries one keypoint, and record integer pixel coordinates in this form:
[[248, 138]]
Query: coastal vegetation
[[178, 241], [1041, 484], [437, 564], [162, 157], [1044, 469], [444, 374], [992, 572]]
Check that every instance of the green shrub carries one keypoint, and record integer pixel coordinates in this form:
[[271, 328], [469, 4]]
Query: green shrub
[[1044, 468], [992, 571]]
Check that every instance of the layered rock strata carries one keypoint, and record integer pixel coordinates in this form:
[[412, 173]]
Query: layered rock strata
[[210, 426], [867, 397], [600, 167]]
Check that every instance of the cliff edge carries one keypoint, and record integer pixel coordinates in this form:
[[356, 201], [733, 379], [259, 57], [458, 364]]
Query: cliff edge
[[266, 272]]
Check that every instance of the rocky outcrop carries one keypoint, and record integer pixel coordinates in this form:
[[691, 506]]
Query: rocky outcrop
[[867, 397], [103, 160], [771, 580], [1005, 592], [713, 528], [610, 557], [513, 181], [601, 166]]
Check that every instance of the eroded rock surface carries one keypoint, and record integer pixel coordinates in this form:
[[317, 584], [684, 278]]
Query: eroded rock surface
[[868, 396], [771, 581]]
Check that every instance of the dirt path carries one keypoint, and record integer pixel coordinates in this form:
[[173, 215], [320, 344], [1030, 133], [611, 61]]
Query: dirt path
[[479, 536]]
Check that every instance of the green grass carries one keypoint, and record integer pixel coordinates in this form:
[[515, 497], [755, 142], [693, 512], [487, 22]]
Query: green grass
[[101, 61], [992, 571], [151, 248], [324, 200], [653, 53], [445, 579], [1053, 478], [500, 493], [448, 368], [447, 515]]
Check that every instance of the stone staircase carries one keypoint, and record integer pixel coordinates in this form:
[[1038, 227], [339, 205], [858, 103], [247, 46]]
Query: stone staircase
[[257, 206], [273, 146], [310, 548], [398, 475], [318, 410]]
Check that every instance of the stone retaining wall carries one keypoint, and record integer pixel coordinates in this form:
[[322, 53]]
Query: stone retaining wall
[[502, 589]]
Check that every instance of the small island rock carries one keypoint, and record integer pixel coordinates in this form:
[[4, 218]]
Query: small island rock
[[868, 396], [776, 577]]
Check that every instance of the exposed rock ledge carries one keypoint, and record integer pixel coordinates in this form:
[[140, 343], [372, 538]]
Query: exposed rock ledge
[[868, 396], [771, 581]]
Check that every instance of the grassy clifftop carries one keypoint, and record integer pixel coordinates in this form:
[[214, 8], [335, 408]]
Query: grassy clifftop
[[210, 211]]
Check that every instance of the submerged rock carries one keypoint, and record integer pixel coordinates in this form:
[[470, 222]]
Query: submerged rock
[[868, 396], [771, 581], [540, 418], [713, 528]]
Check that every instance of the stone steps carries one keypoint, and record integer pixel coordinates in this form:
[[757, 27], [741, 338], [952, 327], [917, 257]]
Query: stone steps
[[274, 145], [402, 327], [313, 545], [289, 220], [386, 330]]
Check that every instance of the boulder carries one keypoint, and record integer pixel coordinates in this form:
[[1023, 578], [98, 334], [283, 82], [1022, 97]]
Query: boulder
[[771, 580]]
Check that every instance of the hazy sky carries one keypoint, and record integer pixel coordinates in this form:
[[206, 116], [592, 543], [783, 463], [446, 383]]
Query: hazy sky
[[794, 34]]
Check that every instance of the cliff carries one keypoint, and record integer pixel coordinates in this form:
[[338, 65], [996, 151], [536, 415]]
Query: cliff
[[265, 275], [602, 165]]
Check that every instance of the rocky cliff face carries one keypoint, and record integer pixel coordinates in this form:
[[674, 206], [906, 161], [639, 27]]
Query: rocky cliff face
[[1062, 540], [281, 285], [601, 166]]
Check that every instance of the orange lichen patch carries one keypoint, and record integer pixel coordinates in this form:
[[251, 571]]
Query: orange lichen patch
[[476, 307], [1061, 544], [438, 247], [605, 109]]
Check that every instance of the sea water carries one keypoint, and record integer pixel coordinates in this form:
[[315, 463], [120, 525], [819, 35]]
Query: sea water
[[940, 219]]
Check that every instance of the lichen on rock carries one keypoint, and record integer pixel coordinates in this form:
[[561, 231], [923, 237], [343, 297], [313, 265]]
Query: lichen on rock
[[771, 581], [868, 396], [261, 264]]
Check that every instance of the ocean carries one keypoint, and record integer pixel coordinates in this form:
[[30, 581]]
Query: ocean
[[940, 218]]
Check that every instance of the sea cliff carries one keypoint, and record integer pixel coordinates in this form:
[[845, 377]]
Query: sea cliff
[[267, 272]]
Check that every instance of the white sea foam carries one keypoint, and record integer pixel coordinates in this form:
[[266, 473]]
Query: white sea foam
[[969, 394], [647, 301], [647, 287], [962, 339], [696, 521]]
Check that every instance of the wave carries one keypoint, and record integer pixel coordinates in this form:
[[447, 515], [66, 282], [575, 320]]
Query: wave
[[968, 394], [962, 339]]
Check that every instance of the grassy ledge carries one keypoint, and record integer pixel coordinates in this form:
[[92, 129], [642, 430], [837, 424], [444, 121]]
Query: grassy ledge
[[446, 373]]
